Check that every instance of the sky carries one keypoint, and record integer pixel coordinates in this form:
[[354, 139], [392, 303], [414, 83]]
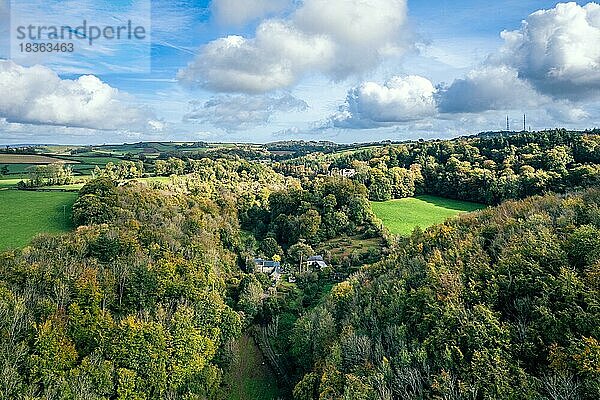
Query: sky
[[269, 70]]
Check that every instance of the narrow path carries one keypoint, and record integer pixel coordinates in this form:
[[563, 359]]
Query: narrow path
[[262, 340]]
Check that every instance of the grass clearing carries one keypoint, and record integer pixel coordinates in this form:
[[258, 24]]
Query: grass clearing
[[249, 377], [344, 246], [402, 216], [24, 214]]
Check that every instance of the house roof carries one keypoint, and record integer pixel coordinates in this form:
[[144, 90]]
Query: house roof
[[316, 258], [267, 263]]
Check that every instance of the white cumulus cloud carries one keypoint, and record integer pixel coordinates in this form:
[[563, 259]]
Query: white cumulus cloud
[[337, 38], [37, 95], [241, 112], [401, 99], [488, 88], [567, 112], [240, 12], [363, 31], [274, 59], [551, 63], [414, 99], [558, 50]]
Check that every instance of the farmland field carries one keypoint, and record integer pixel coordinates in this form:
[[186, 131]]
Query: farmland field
[[30, 159], [17, 169], [8, 183], [91, 160], [25, 214], [86, 164], [403, 215]]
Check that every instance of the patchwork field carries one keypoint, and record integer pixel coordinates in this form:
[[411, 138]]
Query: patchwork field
[[25, 214], [30, 159], [403, 215]]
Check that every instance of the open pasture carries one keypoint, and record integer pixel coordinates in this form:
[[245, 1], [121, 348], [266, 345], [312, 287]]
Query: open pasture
[[24, 214], [402, 216]]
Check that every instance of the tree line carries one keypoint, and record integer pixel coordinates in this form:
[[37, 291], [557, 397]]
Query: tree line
[[485, 169]]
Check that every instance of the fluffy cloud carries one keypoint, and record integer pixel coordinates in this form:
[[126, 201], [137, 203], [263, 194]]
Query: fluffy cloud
[[239, 12], [240, 112], [549, 63], [413, 99], [363, 31], [558, 50], [40, 96], [488, 88], [11, 132], [274, 59], [337, 38], [566, 112], [398, 100]]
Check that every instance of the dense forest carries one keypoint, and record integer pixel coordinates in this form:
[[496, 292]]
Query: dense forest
[[485, 169], [500, 304], [144, 299], [147, 295], [131, 306]]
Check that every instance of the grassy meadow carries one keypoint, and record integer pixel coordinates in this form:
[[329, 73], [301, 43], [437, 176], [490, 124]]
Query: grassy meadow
[[25, 214], [402, 216], [7, 183], [250, 377]]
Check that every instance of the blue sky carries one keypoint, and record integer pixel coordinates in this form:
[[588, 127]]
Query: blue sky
[[266, 70]]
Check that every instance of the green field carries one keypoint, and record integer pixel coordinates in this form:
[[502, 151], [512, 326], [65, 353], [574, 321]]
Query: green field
[[14, 169], [402, 216], [249, 377], [93, 161], [8, 183], [27, 159], [25, 214]]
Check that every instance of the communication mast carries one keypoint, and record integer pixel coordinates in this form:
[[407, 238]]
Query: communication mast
[[507, 124], [524, 122]]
